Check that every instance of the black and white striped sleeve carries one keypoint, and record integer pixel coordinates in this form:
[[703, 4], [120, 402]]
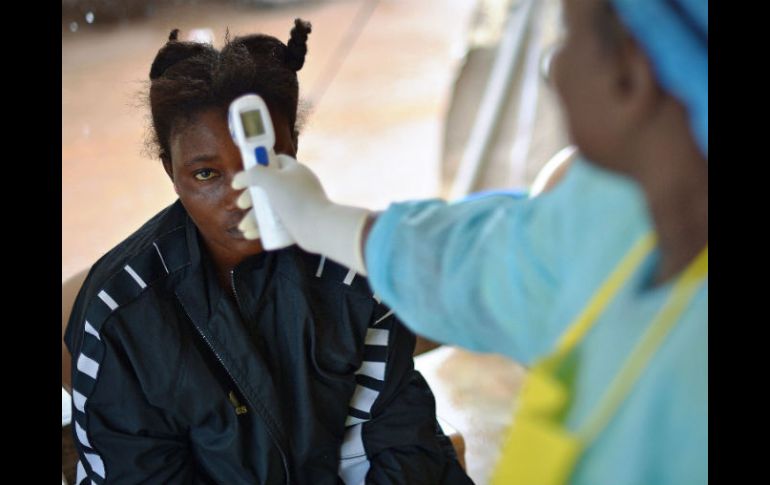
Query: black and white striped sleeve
[[370, 382], [119, 435], [392, 436]]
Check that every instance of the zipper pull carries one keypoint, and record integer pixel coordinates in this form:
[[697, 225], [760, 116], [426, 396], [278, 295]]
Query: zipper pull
[[239, 408]]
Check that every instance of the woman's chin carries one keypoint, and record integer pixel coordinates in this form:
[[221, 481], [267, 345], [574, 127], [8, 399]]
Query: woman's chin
[[248, 245]]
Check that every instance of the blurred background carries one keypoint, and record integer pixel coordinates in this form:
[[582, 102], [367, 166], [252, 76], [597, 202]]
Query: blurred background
[[401, 99]]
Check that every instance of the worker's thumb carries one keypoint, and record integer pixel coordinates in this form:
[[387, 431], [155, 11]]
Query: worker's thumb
[[285, 161], [256, 175]]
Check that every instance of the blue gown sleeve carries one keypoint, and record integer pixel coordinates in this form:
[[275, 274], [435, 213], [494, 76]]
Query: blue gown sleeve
[[486, 273]]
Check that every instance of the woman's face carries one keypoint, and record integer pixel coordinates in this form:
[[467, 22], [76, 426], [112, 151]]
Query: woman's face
[[204, 160]]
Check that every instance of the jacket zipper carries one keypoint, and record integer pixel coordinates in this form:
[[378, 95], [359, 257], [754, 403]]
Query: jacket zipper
[[245, 395], [275, 440]]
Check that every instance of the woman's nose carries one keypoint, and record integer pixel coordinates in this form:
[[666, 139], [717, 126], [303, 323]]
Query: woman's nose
[[232, 194]]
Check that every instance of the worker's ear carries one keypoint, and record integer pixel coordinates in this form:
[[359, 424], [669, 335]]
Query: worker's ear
[[169, 168], [635, 87]]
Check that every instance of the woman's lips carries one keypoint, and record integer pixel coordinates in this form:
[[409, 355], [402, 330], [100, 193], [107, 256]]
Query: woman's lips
[[235, 232]]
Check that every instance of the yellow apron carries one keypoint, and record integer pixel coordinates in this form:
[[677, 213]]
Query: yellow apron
[[539, 449]]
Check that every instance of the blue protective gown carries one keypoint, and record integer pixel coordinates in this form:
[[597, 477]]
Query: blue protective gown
[[507, 275]]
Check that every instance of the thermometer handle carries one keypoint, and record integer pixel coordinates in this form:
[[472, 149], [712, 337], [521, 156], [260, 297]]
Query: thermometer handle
[[272, 231]]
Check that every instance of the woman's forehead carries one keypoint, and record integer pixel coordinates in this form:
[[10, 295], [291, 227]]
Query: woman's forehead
[[186, 121], [206, 128], [199, 129]]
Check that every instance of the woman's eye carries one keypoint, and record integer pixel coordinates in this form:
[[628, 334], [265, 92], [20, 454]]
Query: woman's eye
[[205, 174]]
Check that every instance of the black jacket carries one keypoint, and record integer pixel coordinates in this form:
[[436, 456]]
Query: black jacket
[[175, 381]]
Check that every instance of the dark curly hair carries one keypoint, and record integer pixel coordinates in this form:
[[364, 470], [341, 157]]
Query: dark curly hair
[[189, 77]]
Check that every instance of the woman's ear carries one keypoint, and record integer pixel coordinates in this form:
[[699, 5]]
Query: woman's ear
[[169, 168]]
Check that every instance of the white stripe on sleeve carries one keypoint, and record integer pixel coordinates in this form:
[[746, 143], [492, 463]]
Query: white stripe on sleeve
[[353, 444], [81, 474], [88, 366], [376, 336], [79, 401], [320, 269], [372, 369], [90, 329], [349, 277], [384, 317], [81, 433], [135, 276], [107, 299], [363, 398], [161, 257], [97, 465], [353, 470]]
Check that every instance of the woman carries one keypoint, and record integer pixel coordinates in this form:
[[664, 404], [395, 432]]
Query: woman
[[601, 284], [199, 358]]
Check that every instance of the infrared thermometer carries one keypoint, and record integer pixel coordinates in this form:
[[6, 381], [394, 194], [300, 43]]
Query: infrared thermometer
[[252, 132]]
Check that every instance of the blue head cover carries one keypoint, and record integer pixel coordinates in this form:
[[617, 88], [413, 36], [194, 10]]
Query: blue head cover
[[674, 34]]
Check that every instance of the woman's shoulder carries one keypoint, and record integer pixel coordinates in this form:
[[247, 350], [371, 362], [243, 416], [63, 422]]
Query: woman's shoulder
[[127, 271], [164, 231]]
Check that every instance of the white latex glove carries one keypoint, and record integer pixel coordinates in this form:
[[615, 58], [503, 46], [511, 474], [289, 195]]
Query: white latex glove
[[317, 224]]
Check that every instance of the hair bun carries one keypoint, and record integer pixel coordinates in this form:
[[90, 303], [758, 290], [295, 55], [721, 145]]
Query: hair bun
[[297, 45], [174, 51]]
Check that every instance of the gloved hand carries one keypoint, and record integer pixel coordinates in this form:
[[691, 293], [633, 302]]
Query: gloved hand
[[317, 224]]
